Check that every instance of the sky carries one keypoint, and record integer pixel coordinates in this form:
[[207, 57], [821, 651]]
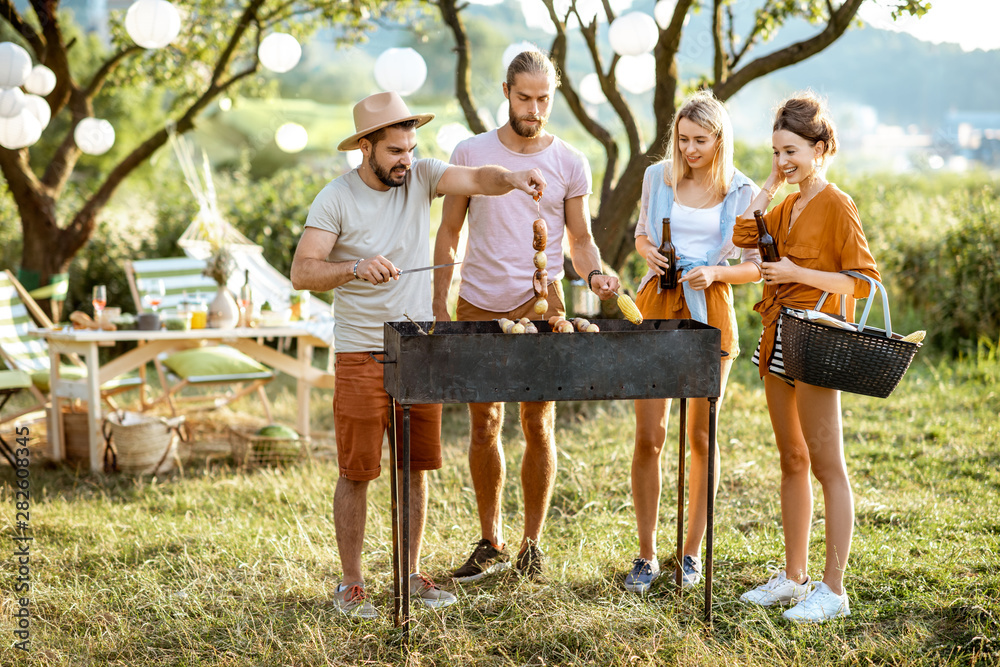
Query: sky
[[972, 24]]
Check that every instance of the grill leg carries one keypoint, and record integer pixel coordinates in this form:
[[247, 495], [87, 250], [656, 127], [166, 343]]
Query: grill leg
[[709, 533], [680, 494], [394, 496], [404, 555]]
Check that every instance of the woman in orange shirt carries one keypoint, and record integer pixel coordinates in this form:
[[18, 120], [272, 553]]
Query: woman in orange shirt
[[818, 234]]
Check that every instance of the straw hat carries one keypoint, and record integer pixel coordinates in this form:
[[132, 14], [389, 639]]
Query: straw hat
[[378, 111]]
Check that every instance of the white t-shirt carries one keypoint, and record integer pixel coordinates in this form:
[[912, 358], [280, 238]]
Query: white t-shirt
[[695, 231], [499, 260], [394, 224]]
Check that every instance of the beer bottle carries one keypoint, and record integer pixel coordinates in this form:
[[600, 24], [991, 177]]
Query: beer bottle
[[669, 278], [765, 242]]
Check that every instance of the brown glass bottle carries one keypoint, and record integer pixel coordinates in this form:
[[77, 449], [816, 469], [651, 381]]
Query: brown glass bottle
[[765, 242], [669, 278]]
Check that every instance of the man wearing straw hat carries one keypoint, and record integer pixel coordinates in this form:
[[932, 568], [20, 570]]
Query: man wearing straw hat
[[361, 227]]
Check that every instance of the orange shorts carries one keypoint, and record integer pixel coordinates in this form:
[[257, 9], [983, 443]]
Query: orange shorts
[[361, 419], [466, 312], [670, 305]]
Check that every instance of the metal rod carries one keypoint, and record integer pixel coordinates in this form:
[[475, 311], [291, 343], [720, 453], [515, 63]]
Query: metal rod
[[678, 574], [710, 513], [405, 555], [394, 496]]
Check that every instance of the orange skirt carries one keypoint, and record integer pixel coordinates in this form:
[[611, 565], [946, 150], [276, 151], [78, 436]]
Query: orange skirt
[[670, 305]]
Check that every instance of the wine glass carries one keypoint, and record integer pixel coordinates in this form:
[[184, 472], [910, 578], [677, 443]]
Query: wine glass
[[155, 291], [99, 299], [246, 303]]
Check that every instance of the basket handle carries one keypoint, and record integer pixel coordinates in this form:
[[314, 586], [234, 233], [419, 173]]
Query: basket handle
[[876, 288]]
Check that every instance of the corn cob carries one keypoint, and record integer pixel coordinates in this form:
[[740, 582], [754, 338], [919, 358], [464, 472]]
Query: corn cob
[[629, 309], [915, 337]]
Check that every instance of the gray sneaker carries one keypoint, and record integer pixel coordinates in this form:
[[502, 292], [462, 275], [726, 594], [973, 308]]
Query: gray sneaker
[[353, 601], [690, 571], [423, 589], [643, 573]]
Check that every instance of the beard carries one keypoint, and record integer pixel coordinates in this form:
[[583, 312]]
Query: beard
[[386, 176], [526, 131]]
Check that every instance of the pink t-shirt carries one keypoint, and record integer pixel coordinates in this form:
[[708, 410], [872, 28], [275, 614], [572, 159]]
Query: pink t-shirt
[[499, 259]]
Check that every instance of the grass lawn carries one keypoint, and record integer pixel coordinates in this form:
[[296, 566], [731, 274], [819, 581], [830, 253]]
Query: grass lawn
[[218, 566]]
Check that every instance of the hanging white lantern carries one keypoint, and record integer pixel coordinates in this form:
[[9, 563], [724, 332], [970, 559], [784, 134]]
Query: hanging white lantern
[[15, 65], [41, 81], [511, 52], [663, 12], [19, 131], [94, 136], [401, 70], [633, 34], [636, 74], [38, 108], [503, 113], [450, 135], [11, 102], [152, 24], [354, 158], [279, 52], [590, 89], [291, 137]]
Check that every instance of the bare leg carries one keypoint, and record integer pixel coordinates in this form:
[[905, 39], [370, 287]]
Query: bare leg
[[796, 489], [418, 514], [819, 414], [698, 477], [538, 468], [486, 463], [350, 512], [650, 433]]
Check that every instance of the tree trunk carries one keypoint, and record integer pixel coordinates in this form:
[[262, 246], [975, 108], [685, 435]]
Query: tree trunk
[[48, 250]]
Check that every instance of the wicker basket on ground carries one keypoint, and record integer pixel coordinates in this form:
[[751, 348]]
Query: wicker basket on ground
[[251, 449]]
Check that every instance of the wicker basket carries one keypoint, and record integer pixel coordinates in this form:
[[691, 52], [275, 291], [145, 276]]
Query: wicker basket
[[75, 435], [867, 361], [251, 450], [139, 445]]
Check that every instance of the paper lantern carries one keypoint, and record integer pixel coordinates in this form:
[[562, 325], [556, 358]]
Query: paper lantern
[[354, 158], [636, 74], [401, 70], [590, 89], [291, 137], [15, 65], [450, 135], [19, 131], [503, 113], [38, 108], [511, 52], [633, 34], [11, 102], [663, 12], [94, 136], [41, 81], [279, 52], [152, 24]]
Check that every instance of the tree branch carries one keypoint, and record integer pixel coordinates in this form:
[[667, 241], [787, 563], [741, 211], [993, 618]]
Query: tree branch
[[10, 14], [720, 69], [463, 66]]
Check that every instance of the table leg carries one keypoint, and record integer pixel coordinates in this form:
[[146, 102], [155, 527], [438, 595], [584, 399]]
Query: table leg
[[680, 494], [302, 388], [94, 417], [57, 450], [404, 556], [710, 513], [394, 501]]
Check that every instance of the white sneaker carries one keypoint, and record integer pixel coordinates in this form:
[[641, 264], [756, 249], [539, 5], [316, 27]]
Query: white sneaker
[[424, 590], [819, 606], [779, 589]]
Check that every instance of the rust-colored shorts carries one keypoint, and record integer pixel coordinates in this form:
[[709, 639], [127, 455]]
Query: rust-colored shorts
[[466, 312], [361, 419], [670, 305]]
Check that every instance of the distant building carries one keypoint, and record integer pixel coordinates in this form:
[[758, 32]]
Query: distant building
[[974, 135]]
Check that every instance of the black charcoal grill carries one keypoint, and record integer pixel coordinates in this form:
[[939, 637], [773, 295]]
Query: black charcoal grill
[[473, 362]]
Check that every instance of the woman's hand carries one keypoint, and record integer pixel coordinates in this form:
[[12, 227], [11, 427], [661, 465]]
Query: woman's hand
[[780, 272], [654, 260], [700, 277], [777, 177]]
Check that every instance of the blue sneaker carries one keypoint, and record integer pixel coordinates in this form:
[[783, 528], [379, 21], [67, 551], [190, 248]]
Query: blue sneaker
[[643, 573], [690, 571]]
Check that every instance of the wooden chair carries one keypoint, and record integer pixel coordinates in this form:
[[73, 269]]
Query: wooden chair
[[215, 365]]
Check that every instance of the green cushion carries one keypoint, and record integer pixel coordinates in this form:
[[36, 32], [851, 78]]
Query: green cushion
[[67, 372], [14, 380], [208, 362]]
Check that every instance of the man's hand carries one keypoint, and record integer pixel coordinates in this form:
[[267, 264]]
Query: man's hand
[[604, 286], [377, 270]]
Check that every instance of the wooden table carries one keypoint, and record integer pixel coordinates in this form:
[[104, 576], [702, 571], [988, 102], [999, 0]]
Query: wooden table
[[85, 343]]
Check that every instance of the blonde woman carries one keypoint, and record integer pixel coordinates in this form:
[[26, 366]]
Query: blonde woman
[[702, 193], [818, 233]]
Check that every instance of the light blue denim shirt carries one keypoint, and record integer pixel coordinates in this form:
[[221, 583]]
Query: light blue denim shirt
[[657, 202]]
